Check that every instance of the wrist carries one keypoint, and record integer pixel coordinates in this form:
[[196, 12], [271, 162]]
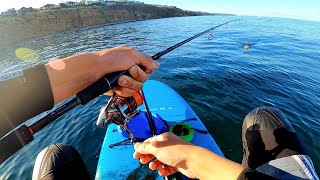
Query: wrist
[[189, 155], [193, 156], [104, 62]]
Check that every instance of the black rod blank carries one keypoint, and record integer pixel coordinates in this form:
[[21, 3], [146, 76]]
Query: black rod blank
[[149, 115], [159, 54]]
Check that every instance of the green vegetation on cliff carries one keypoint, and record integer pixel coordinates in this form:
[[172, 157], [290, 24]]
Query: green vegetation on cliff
[[15, 29]]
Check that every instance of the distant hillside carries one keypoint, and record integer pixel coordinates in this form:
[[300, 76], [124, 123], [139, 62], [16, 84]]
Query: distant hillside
[[18, 28]]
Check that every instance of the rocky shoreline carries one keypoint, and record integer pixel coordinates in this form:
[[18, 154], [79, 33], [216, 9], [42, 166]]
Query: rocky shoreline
[[19, 28]]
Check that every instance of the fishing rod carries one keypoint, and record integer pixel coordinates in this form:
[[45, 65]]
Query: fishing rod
[[17, 139], [149, 115], [159, 54]]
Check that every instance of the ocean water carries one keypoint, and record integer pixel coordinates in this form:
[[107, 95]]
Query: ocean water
[[219, 78]]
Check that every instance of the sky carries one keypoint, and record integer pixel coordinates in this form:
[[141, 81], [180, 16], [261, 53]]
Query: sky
[[300, 9]]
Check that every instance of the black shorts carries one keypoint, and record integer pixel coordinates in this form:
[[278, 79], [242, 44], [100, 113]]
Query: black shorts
[[267, 135]]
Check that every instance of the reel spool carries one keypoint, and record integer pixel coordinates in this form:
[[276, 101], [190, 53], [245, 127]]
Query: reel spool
[[119, 110]]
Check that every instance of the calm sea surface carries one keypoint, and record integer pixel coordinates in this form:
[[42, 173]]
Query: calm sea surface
[[219, 79]]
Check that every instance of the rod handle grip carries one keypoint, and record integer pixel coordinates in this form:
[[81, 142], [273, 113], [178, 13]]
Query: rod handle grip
[[14, 141], [104, 84]]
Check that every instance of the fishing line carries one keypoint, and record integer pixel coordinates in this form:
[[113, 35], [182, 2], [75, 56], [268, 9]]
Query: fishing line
[[159, 54]]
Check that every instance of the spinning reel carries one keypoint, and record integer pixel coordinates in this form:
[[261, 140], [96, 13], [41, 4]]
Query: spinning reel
[[120, 110]]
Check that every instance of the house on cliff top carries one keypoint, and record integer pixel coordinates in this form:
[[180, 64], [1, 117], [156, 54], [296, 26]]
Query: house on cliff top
[[92, 2], [72, 4]]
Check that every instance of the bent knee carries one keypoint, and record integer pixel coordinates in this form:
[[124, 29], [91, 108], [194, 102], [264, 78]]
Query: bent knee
[[59, 161], [266, 118]]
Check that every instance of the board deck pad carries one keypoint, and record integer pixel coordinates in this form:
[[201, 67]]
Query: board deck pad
[[117, 162]]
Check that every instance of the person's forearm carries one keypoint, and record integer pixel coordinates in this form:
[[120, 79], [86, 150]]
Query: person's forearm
[[72, 74], [205, 164]]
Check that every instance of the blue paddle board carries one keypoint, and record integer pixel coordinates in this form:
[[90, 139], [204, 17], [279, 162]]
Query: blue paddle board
[[117, 162]]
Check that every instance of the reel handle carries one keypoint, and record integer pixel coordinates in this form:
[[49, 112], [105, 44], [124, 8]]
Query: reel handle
[[104, 84]]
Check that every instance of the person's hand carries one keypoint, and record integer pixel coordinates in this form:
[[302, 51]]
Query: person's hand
[[125, 58], [171, 153], [72, 74]]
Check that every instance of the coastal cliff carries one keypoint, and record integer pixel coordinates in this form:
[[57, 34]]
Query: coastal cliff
[[19, 28]]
